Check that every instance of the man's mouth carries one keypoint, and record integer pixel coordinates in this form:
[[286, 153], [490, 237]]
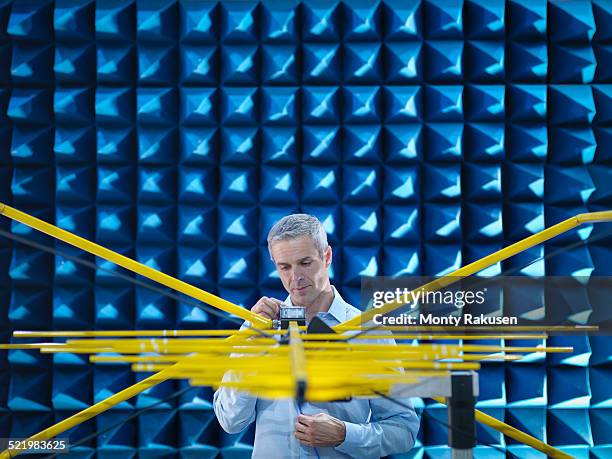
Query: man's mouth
[[301, 289]]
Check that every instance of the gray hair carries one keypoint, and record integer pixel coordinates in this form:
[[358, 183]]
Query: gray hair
[[297, 225]]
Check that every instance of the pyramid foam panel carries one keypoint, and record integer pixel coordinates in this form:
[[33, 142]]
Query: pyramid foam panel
[[423, 134]]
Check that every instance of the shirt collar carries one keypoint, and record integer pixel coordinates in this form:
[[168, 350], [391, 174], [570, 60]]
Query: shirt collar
[[337, 309]]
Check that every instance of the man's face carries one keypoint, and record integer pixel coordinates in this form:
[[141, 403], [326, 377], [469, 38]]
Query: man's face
[[302, 270]]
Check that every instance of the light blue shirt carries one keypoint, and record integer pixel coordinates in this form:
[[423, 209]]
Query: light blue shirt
[[374, 427]]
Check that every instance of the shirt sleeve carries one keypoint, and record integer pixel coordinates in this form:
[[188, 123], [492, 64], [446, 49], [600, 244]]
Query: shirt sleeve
[[392, 430], [235, 410]]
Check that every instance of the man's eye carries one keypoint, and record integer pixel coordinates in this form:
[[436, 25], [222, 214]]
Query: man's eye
[[306, 263], [284, 268]]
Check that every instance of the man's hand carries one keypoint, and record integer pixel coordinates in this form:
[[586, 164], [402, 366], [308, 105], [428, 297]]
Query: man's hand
[[319, 430], [267, 307]]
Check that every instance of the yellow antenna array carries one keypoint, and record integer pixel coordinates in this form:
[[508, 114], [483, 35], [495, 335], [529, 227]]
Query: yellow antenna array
[[316, 367]]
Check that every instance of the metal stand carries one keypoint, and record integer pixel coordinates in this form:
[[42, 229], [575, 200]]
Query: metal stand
[[461, 418], [460, 390]]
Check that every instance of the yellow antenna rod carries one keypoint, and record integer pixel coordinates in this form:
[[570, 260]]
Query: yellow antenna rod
[[100, 407], [246, 332], [516, 434], [491, 259], [94, 410], [298, 362], [134, 266]]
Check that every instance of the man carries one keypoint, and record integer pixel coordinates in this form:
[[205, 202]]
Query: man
[[358, 428]]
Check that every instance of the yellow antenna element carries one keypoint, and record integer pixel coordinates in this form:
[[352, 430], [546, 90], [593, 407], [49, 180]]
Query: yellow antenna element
[[491, 259], [134, 266], [516, 434], [298, 362]]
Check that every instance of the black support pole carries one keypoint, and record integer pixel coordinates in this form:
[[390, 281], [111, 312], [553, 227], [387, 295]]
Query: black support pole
[[461, 418]]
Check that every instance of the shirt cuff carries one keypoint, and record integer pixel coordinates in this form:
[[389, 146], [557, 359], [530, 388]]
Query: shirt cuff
[[352, 438]]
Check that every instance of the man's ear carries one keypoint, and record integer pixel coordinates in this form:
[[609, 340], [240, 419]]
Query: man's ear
[[327, 256]]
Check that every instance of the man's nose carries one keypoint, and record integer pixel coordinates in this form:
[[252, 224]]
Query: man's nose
[[297, 275]]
